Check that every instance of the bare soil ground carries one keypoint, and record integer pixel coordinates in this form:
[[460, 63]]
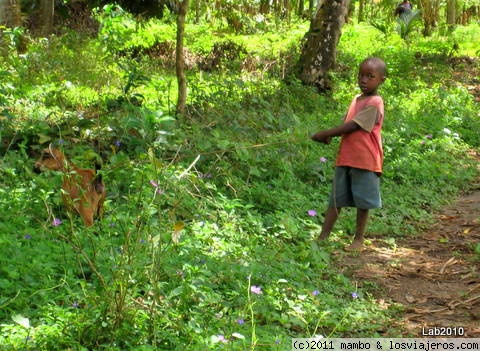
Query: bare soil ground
[[434, 276]]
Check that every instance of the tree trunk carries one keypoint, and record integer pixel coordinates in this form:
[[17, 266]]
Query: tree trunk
[[197, 11], [350, 11], [430, 10], [311, 6], [361, 11], [286, 13], [300, 8], [264, 7], [276, 8], [320, 44], [451, 14], [10, 13], [45, 16], [180, 59], [469, 13]]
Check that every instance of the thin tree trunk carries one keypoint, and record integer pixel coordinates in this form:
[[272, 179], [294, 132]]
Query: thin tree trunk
[[361, 11], [300, 8], [430, 11], [350, 11], [451, 14], [464, 16], [197, 11], [264, 7], [320, 45], [46, 12], [286, 10], [276, 8], [180, 59]]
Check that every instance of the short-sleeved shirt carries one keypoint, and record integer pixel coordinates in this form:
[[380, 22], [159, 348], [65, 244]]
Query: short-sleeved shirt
[[363, 148]]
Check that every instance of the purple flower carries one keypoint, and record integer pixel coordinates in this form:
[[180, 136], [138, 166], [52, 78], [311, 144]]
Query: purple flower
[[240, 321], [75, 304], [27, 236], [221, 338], [118, 143], [323, 159], [315, 292], [155, 185], [312, 213], [428, 136], [142, 241], [354, 295], [256, 289], [56, 222]]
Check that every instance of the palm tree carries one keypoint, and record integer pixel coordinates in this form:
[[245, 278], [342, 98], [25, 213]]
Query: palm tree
[[406, 22]]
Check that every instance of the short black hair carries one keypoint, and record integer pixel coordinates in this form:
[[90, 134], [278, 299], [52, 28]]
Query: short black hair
[[378, 62]]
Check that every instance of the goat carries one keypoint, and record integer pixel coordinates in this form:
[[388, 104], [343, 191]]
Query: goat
[[82, 189]]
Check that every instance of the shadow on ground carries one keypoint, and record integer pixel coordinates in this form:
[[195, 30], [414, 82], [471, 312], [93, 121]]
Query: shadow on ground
[[434, 276]]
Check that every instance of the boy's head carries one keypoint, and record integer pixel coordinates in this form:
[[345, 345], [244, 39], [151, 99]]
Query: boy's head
[[372, 72]]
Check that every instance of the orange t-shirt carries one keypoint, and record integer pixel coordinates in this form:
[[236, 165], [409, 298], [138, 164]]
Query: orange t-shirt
[[363, 147]]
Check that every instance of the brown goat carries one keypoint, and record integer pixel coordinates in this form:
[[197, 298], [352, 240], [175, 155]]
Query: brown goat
[[82, 189]]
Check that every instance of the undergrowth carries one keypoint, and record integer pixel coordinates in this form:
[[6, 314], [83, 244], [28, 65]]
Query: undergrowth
[[207, 239]]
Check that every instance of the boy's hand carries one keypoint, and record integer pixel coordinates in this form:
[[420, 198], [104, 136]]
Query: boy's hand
[[322, 137]]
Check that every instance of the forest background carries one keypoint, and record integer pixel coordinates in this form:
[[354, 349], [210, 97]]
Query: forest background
[[207, 240]]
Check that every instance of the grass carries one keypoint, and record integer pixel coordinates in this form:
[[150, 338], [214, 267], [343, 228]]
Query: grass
[[216, 252]]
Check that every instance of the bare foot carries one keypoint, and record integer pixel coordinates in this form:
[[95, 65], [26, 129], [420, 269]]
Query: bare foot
[[356, 245]]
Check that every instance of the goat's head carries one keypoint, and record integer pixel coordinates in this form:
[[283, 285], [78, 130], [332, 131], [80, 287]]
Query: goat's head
[[51, 158]]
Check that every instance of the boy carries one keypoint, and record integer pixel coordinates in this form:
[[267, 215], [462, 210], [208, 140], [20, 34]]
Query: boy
[[360, 157]]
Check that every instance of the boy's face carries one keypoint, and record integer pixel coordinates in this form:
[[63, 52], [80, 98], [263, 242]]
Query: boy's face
[[370, 76]]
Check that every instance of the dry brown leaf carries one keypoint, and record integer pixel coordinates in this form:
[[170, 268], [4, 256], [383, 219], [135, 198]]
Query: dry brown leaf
[[409, 298]]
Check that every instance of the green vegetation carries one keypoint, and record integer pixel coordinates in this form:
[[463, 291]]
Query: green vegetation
[[216, 251]]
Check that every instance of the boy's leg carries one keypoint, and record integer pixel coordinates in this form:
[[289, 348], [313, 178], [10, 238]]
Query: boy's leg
[[362, 217], [366, 194], [340, 197], [330, 219]]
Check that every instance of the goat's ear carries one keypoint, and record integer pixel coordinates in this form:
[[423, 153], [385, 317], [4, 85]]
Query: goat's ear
[[98, 166], [98, 184]]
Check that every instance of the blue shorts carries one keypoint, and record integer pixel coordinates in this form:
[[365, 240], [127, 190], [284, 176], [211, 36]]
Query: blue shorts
[[354, 187]]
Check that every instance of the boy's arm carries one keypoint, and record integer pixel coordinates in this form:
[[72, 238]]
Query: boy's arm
[[325, 136]]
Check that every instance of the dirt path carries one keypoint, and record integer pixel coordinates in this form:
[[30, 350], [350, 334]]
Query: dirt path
[[435, 276]]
